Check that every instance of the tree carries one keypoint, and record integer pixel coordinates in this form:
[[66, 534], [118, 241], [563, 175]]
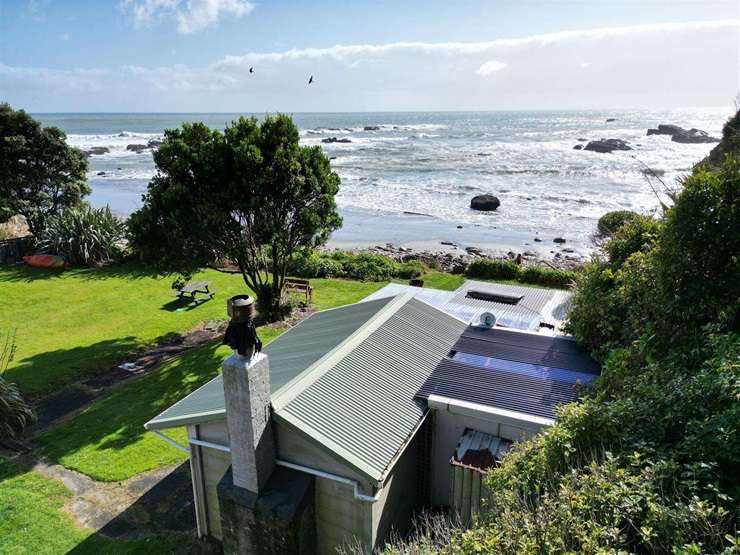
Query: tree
[[250, 194], [40, 174]]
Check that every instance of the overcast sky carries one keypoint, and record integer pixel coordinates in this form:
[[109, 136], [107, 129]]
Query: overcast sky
[[195, 55]]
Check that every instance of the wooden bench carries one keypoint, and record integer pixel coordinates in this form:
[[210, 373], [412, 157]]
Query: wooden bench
[[192, 290], [302, 286]]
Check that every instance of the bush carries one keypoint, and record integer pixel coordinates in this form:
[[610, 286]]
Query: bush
[[316, 265], [15, 414], [411, 270], [638, 234], [84, 235], [547, 276], [490, 268], [370, 267], [610, 222]]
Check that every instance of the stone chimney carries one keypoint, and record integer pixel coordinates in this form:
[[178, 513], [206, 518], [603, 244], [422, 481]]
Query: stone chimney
[[247, 397]]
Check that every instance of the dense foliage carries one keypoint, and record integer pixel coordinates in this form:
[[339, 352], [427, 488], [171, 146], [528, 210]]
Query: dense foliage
[[610, 222], [648, 462], [84, 235], [250, 194], [362, 266], [15, 414], [494, 268], [40, 174]]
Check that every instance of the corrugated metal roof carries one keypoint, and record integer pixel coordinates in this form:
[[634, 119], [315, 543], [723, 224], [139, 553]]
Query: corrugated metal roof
[[521, 371], [290, 354], [536, 304], [359, 402], [480, 451]]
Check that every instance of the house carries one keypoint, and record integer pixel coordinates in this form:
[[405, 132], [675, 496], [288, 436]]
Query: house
[[358, 417]]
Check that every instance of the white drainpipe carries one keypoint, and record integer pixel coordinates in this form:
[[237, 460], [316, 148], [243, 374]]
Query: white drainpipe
[[307, 469]]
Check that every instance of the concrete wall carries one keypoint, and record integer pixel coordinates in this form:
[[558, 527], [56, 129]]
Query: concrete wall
[[399, 499], [341, 519], [448, 427], [214, 464]]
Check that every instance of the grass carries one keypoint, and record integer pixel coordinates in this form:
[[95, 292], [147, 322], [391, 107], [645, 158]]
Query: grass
[[70, 324], [108, 442], [32, 521]]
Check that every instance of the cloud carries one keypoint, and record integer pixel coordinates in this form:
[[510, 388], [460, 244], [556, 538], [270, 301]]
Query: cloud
[[661, 65], [190, 16], [491, 67], [64, 36]]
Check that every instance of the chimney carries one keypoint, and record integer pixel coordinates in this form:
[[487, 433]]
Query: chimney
[[246, 380]]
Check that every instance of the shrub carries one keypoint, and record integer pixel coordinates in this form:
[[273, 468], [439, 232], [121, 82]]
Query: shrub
[[15, 414], [84, 235], [411, 269], [638, 234], [490, 268], [370, 267], [610, 222], [547, 276], [316, 265]]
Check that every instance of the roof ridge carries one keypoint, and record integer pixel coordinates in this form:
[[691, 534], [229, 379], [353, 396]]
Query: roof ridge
[[283, 396]]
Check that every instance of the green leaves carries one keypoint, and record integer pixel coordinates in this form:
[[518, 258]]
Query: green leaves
[[84, 235], [39, 173], [251, 195]]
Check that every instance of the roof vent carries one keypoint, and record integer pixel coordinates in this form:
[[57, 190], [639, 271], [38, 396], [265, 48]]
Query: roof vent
[[487, 320], [493, 297]]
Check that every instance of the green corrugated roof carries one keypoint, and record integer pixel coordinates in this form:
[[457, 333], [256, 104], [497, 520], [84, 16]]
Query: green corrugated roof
[[290, 354], [358, 401]]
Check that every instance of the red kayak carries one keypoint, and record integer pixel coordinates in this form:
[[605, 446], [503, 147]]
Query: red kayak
[[44, 261]]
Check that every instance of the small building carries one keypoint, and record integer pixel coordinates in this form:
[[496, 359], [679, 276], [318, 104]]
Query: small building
[[354, 420]]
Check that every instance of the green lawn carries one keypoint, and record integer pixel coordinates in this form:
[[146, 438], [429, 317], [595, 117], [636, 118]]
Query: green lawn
[[32, 522], [108, 442], [70, 324]]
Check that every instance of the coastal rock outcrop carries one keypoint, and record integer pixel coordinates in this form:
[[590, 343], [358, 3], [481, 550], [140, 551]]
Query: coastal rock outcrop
[[136, 148], [96, 151], [485, 203], [607, 145], [330, 140], [685, 136]]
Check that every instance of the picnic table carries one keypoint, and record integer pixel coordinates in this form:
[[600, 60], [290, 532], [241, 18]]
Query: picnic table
[[192, 290], [294, 285]]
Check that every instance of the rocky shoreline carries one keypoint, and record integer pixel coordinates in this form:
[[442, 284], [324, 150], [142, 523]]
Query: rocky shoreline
[[454, 259]]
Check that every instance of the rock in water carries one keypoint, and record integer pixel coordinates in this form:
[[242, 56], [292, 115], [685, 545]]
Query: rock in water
[[578, 147], [559, 240], [485, 203], [681, 135], [330, 140], [96, 150], [154, 143], [607, 145], [694, 136], [136, 148], [371, 128], [609, 120]]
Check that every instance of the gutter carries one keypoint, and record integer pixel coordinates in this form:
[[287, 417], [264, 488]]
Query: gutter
[[484, 412], [299, 467]]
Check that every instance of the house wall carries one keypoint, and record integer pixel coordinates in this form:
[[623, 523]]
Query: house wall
[[341, 519], [214, 464], [449, 426], [400, 497]]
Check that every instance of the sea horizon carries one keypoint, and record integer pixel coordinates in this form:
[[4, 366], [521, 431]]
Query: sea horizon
[[408, 177]]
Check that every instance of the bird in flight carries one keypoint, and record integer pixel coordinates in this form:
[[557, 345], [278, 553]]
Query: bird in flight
[[310, 80], [251, 70]]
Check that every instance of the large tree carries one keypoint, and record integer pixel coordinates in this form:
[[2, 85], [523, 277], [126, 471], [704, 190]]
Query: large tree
[[40, 174], [250, 194]]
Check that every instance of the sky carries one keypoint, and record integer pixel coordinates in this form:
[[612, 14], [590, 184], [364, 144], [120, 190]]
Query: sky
[[402, 55]]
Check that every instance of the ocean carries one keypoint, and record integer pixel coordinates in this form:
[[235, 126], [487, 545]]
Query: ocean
[[410, 178]]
